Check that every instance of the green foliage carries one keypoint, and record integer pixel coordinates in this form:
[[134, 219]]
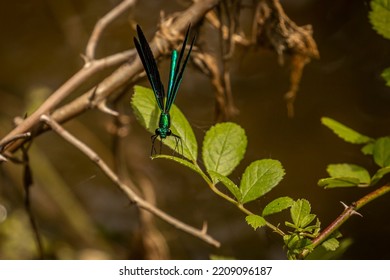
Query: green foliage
[[295, 245], [224, 147], [381, 151], [368, 149], [386, 76], [349, 170], [380, 17], [300, 214], [229, 184], [255, 221], [344, 132], [331, 244], [339, 182], [352, 175], [183, 162], [259, 178], [277, 205], [379, 174], [380, 20], [322, 253], [346, 175], [303, 229]]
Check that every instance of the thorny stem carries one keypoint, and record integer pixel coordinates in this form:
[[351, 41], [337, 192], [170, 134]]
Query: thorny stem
[[348, 212]]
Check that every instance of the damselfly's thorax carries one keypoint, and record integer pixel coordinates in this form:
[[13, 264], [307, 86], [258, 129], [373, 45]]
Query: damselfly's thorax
[[164, 123]]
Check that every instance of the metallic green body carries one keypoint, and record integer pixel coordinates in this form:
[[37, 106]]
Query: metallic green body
[[164, 124]]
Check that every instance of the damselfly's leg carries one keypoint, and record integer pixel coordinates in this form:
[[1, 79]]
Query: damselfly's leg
[[161, 145], [153, 150], [177, 140]]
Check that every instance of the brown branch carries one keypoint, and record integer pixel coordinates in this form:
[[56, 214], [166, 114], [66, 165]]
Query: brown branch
[[208, 64], [65, 90], [347, 213], [14, 138], [102, 24], [271, 27], [124, 75], [90, 68], [132, 195], [27, 185], [275, 29]]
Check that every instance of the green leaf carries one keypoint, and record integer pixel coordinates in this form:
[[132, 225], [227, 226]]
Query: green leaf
[[386, 76], [277, 205], [295, 245], [368, 149], [340, 182], [184, 162], [382, 151], [344, 132], [320, 253], [379, 174], [380, 17], [345, 175], [255, 221], [307, 220], [148, 114], [345, 170], [331, 244], [224, 147], [314, 229], [259, 178], [230, 185], [300, 213]]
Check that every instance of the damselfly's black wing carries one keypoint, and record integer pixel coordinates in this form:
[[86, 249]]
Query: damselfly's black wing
[[150, 65]]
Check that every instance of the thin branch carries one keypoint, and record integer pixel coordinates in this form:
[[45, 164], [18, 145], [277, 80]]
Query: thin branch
[[133, 197], [90, 68], [102, 24], [27, 184], [14, 138], [124, 75], [65, 90], [347, 213]]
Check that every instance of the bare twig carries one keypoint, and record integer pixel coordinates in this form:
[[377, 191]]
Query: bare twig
[[124, 75], [133, 197], [27, 184], [102, 24], [274, 28], [298, 63], [67, 88], [14, 138], [90, 68], [208, 64]]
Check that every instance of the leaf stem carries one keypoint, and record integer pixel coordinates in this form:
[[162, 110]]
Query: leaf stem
[[236, 203], [194, 166]]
